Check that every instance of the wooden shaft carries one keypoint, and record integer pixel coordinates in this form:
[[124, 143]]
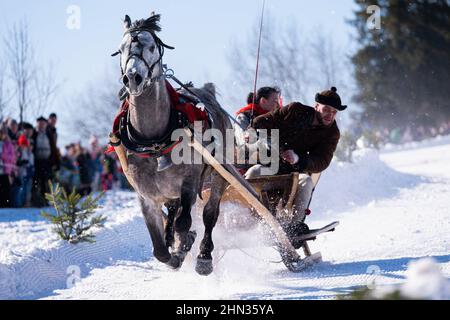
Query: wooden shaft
[[265, 214], [306, 249], [294, 189], [121, 153]]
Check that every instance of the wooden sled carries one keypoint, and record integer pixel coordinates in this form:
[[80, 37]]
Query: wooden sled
[[277, 193], [260, 188]]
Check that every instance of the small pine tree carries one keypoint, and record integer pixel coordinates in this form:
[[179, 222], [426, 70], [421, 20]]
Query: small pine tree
[[74, 215]]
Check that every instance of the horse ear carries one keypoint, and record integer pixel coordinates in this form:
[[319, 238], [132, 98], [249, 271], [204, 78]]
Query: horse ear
[[127, 21]]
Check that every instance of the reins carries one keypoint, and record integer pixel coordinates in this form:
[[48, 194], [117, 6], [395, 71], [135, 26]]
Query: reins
[[257, 61]]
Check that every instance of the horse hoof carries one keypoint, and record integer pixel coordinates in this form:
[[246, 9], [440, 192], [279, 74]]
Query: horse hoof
[[174, 262], [204, 267]]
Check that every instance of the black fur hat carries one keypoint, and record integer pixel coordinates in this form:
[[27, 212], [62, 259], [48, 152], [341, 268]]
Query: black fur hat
[[330, 98], [41, 118]]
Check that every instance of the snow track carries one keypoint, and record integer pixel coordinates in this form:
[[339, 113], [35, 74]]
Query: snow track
[[41, 271], [393, 209]]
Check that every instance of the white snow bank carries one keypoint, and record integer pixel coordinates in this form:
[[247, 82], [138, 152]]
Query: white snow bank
[[39, 267], [33, 263], [424, 280], [368, 179]]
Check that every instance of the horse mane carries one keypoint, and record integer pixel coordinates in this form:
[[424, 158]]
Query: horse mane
[[151, 23]]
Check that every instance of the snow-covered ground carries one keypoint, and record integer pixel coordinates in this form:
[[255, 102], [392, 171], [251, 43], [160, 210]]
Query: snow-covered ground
[[393, 208]]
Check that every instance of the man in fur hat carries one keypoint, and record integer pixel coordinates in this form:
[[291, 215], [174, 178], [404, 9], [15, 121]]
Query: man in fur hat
[[308, 140]]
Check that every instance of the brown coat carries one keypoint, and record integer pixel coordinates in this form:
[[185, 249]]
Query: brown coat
[[315, 145]]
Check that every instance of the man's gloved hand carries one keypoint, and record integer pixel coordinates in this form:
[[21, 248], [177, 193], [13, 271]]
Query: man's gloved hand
[[255, 142], [290, 156]]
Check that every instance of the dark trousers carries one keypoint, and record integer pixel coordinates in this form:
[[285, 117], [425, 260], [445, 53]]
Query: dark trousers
[[84, 190], [43, 173], [5, 191]]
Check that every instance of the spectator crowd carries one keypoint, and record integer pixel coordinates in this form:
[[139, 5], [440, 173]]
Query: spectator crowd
[[411, 133], [29, 158]]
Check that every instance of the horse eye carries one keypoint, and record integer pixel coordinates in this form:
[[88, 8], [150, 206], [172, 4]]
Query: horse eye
[[152, 48]]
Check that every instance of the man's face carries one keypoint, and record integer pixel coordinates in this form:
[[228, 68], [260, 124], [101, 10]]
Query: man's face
[[71, 151], [29, 132], [326, 113], [52, 121], [14, 127], [41, 125], [270, 103]]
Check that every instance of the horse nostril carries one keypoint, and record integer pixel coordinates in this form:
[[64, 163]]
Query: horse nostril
[[138, 79], [125, 80]]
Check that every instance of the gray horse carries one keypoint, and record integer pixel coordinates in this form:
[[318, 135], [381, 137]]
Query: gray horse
[[149, 119]]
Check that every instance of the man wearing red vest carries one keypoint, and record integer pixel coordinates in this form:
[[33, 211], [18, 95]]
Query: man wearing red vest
[[308, 138], [266, 100]]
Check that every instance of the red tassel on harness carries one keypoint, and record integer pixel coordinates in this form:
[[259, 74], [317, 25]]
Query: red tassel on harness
[[191, 112], [110, 150]]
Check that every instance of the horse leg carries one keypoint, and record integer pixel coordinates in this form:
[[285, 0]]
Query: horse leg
[[154, 220], [183, 238], [210, 215], [173, 207]]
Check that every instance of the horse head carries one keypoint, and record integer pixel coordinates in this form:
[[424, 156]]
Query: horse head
[[141, 52]]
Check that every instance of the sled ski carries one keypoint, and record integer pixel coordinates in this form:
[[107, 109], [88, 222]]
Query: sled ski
[[313, 233]]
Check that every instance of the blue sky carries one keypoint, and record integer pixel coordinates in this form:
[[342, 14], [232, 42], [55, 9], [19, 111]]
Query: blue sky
[[201, 31]]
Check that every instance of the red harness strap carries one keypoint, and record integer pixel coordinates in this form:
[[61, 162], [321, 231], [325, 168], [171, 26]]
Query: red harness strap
[[115, 130], [122, 113], [110, 150], [190, 111]]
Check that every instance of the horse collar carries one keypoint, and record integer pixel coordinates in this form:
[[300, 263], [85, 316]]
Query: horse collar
[[135, 143]]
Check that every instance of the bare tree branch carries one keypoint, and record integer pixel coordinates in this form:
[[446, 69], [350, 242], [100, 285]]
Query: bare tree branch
[[33, 85], [5, 95], [46, 86], [289, 59], [283, 59], [99, 109], [20, 56], [329, 60]]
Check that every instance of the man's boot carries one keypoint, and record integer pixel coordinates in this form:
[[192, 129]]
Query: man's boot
[[295, 229]]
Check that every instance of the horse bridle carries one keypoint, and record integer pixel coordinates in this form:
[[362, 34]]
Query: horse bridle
[[160, 45], [128, 135]]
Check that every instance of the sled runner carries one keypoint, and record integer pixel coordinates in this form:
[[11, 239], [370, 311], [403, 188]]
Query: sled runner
[[313, 233]]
